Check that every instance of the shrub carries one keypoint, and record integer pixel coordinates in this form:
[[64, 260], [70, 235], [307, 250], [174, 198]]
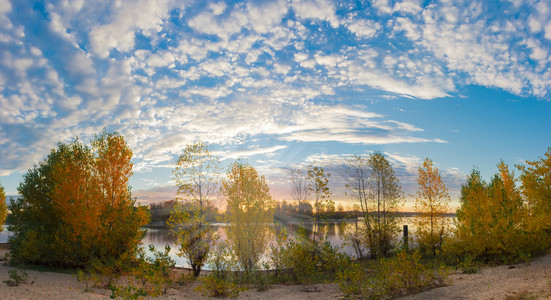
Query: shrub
[[400, 274], [212, 286], [16, 277]]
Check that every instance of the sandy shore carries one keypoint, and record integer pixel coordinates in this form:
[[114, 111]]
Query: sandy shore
[[523, 281]]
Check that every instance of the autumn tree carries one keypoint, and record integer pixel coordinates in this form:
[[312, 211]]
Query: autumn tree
[[431, 203], [383, 197], [491, 218], [76, 206], [3, 207], [196, 176], [536, 191], [318, 186], [250, 210]]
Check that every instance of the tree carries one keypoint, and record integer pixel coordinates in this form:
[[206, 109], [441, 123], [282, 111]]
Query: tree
[[536, 190], [357, 176], [196, 176], [318, 185], [76, 206], [3, 207], [250, 210], [384, 196], [491, 219], [431, 203], [299, 187]]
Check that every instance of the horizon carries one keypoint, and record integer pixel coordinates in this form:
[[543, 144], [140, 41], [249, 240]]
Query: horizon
[[278, 84]]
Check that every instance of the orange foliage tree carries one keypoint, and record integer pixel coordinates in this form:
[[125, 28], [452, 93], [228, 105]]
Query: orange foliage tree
[[76, 206]]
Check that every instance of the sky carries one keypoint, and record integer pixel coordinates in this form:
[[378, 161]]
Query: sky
[[278, 84]]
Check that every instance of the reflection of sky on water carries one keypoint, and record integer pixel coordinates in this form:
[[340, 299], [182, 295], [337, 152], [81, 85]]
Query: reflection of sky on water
[[4, 235], [335, 235], [334, 231]]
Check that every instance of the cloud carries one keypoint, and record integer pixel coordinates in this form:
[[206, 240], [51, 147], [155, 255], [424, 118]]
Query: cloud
[[120, 33], [316, 9], [247, 153]]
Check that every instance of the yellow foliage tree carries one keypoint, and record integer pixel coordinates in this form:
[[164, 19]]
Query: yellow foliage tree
[[318, 186], [536, 191], [431, 203], [491, 219], [3, 208], [196, 176], [250, 210]]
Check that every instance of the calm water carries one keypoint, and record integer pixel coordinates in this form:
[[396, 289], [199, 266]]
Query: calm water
[[334, 231]]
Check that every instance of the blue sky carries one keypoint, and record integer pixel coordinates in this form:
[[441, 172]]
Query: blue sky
[[279, 84]]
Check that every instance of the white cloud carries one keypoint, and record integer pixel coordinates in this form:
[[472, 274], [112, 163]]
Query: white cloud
[[248, 153], [316, 9], [120, 32]]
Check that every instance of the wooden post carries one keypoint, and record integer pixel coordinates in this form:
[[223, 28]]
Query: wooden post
[[406, 242]]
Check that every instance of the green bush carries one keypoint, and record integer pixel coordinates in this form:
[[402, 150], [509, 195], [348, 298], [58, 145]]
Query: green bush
[[16, 277], [394, 276]]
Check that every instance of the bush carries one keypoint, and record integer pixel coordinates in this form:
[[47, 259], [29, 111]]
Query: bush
[[16, 277], [304, 261], [393, 276], [350, 278], [212, 286]]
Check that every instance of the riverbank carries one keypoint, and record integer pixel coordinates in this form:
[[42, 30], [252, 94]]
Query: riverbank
[[530, 280]]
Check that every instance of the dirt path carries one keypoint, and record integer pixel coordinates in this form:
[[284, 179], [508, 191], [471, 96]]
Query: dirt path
[[522, 281]]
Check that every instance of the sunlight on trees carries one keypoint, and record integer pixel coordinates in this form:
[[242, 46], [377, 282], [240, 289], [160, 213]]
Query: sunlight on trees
[[3, 207], [536, 189], [431, 203], [299, 189], [318, 186], [250, 210], [76, 206], [385, 194], [196, 176], [491, 219], [372, 182], [356, 176]]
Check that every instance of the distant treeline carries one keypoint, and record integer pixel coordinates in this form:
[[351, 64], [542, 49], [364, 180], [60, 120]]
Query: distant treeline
[[285, 211]]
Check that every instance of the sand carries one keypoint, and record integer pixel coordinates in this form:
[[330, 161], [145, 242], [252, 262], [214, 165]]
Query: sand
[[522, 281]]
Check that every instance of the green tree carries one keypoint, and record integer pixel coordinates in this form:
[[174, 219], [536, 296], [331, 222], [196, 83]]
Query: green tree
[[431, 203], [3, 207], [76, 206], [196, 176], [250, 210]]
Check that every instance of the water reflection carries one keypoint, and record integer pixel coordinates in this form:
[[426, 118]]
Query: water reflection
[[4, 235], [334, 232]]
